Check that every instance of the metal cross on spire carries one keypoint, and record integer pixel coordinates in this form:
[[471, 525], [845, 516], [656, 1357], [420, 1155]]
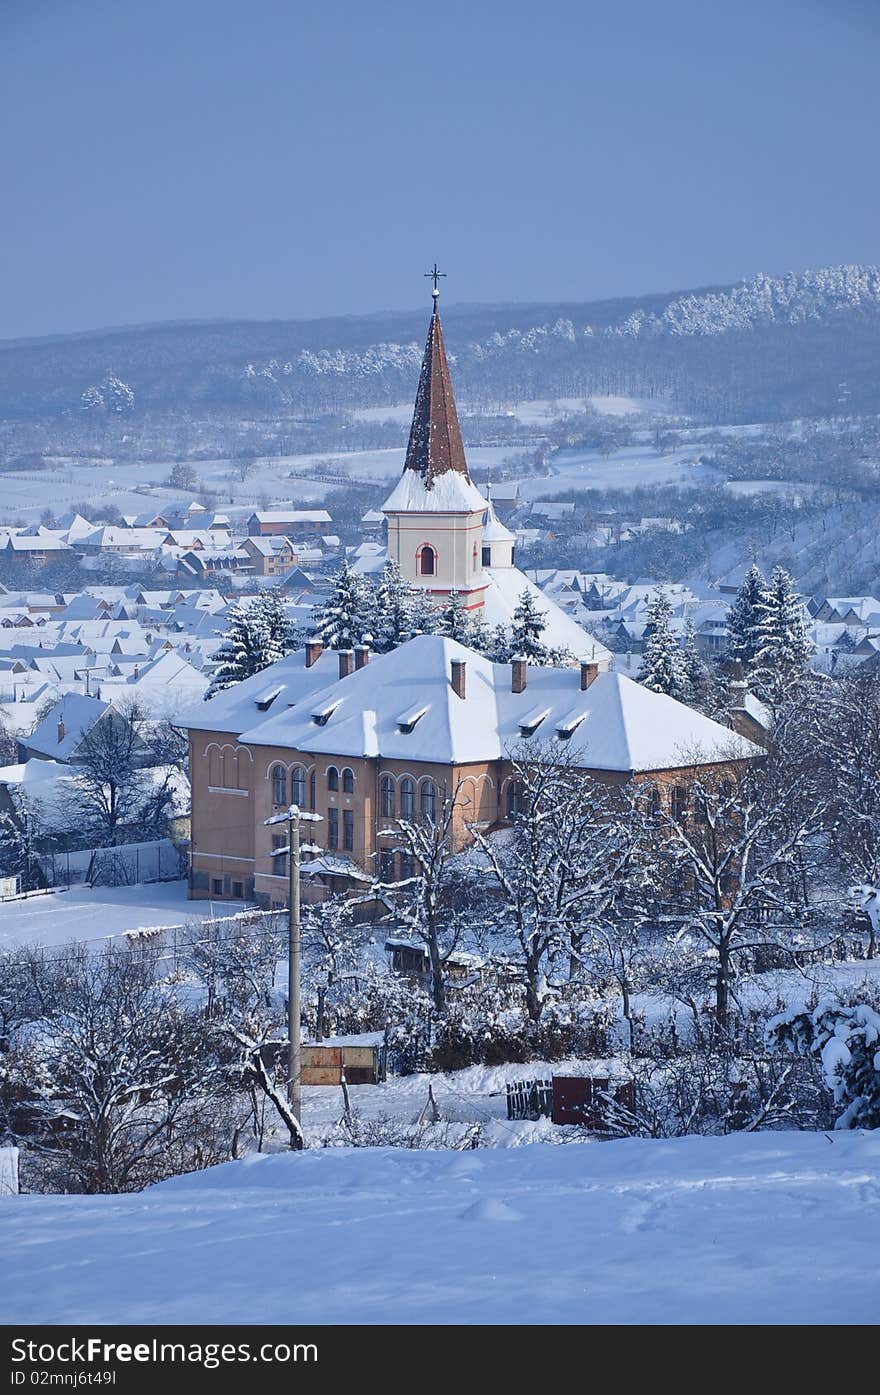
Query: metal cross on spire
[[435, 276]]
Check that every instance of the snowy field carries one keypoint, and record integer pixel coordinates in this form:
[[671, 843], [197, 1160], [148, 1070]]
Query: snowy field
[[92, 913], [756, 1228], [628, 468]]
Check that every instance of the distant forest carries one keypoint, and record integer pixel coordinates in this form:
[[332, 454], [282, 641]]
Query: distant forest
[[768, 349]]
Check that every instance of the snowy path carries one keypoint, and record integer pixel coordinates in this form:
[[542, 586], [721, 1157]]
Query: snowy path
[[763, 1228]]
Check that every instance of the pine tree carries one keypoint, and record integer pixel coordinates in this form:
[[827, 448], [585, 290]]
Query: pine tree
[[397, 609], [453, 620], [346, 617], [260, 632], [783, 657], [529, 624], [693, 669], [661, 669], [744, 618]]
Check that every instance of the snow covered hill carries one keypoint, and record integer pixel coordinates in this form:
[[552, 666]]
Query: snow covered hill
[[750, 1228]]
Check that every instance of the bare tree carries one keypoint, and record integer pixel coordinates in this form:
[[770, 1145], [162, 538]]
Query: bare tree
[[422, 903], [730, 852]]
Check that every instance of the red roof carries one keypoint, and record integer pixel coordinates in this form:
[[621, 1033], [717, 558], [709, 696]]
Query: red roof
[[435, 444]]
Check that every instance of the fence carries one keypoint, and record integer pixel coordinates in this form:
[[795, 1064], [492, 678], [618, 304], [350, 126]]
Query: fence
[[126, 865], [529, 1099]]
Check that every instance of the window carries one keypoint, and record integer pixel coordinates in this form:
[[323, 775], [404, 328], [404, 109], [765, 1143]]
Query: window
[[429, 800], [279, 860], [407, 866], [679, 803], [386, 797], [348, 781], [407, 798], [386, 866], [238, 890], [298, 787], [487, 556], [348, 830], [217, 886], [279, 785], [656, 803], [514, 799], [332, 828], [313, 792], [332, 778], [427, 562]]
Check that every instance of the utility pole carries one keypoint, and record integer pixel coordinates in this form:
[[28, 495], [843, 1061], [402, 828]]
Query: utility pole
[[292, 818]]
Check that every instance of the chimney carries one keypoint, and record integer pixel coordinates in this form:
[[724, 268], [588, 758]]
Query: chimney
[[314, 650], [60, 730], [459, 677], [589, 674], [361, 655], [346, 662], [137, 671], [518, 672]]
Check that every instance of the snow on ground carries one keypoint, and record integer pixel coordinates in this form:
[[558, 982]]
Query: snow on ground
[[751, 1228], [87, 913], [540, 411], [629, 468]]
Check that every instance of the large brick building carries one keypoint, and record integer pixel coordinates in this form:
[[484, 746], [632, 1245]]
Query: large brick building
[[364, 740]]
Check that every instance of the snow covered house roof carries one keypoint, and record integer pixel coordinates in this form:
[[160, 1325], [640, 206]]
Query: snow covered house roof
[[494, 530], [62, 729], [291, 681], [501, 597], [614, 724], [449, 493], [291, 516]]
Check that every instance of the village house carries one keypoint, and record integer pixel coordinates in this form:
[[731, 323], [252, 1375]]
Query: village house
[[298, 523], [271, 556]]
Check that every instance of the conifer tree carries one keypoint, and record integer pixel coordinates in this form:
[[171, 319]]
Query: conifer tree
[[661, 668], [453, 620], [346, 617], [693, 669], [529, 624], [783, 656], [259, 633], [744, 618], [397, 609]]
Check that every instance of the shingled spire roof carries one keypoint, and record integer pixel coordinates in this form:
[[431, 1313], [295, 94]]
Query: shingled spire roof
[[435, 444]]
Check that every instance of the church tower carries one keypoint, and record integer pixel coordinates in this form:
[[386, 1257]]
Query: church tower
[[435, 513]]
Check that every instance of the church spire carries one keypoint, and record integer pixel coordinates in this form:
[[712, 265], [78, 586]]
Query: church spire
[[435, 444]]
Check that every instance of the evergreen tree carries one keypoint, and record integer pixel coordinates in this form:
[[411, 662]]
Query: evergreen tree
[[661, 669], [783, 656], [529, 624], [397, 609], [260, 632], [744, 618], [454, 621], [693, 668], [347, 616]]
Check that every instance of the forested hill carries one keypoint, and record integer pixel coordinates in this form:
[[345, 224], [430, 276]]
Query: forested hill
[[771, 347]]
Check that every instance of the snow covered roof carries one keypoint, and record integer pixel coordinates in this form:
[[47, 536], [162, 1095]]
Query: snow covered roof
[[494, 530], [233, 709], [292, 516], [614, 725], [78, 714], [450, 492]]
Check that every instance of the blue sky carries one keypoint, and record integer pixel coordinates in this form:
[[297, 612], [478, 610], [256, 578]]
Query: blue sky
[[284, 158]]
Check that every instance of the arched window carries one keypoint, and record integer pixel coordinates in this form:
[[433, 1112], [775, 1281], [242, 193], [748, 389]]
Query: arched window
[[429, 800], [332, 778], [427, 561], [407, 797], [298, 787], [386, 797], [348, 780], [656, 803], [313, 792], [279, 785], [679, 803], [514, 799]]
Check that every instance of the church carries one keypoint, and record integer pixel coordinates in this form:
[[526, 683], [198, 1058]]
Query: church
[[444, 535], [363, 740]]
